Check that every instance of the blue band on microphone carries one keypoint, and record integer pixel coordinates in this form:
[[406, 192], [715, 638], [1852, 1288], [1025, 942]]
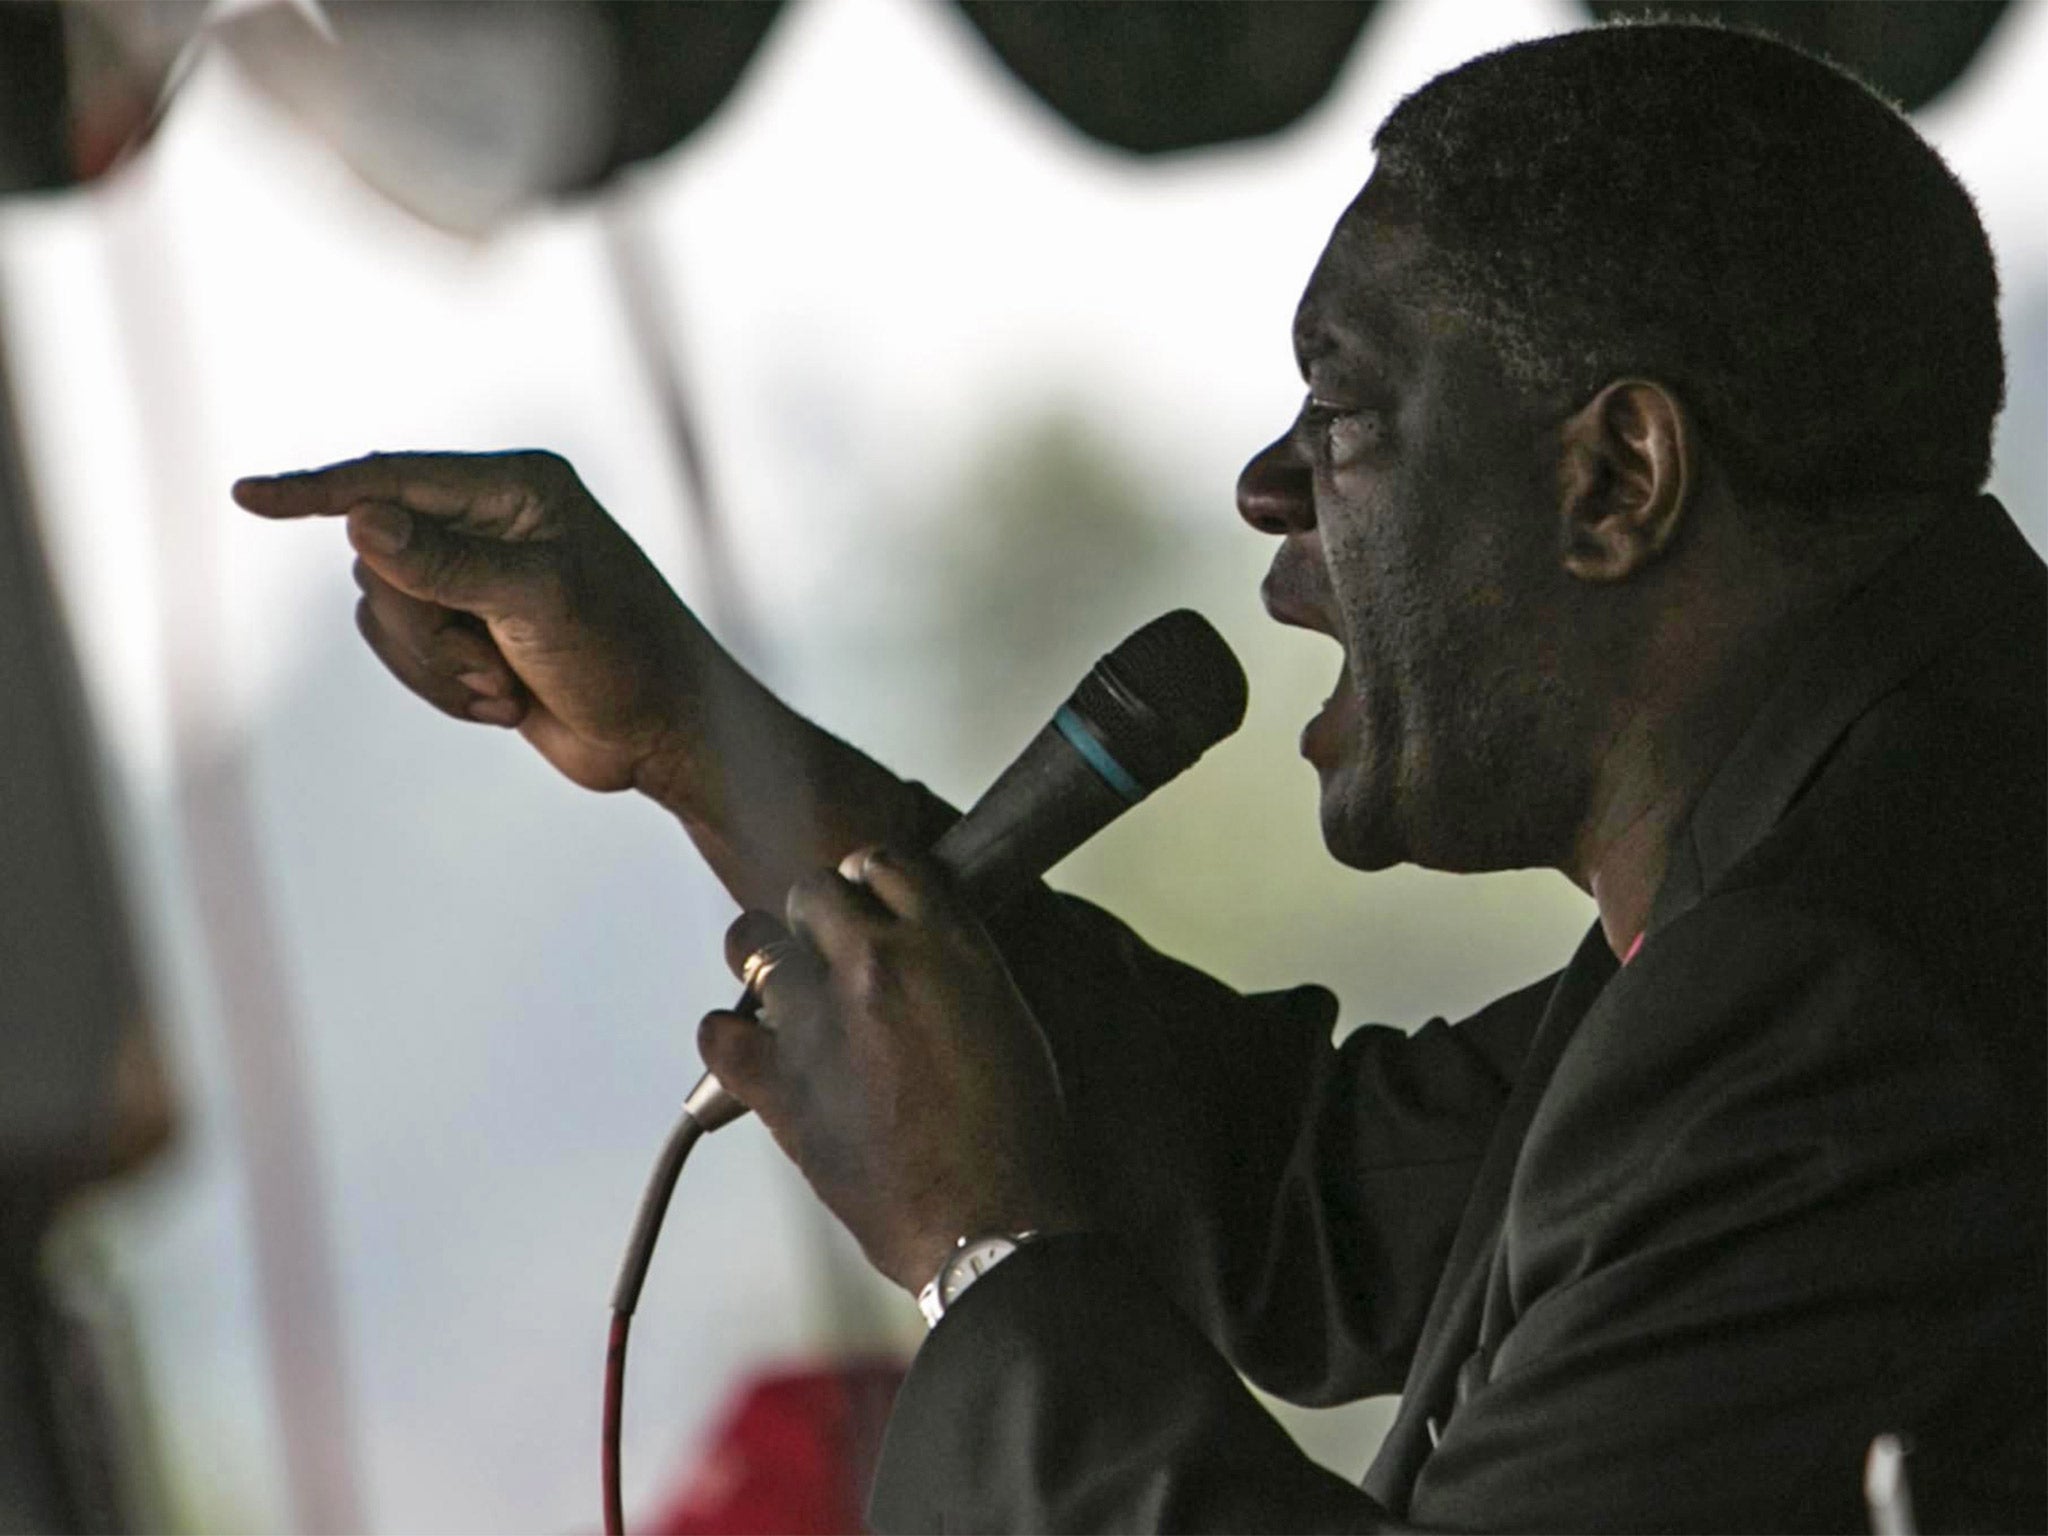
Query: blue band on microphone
[[1097, 755]]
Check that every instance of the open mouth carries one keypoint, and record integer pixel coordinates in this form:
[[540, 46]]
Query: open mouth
[[1293, 595], [1322, 738]]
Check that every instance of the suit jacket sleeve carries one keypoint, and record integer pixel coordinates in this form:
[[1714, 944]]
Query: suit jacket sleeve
[[1254, 1171], [1271, 1202], [1063, 1392]]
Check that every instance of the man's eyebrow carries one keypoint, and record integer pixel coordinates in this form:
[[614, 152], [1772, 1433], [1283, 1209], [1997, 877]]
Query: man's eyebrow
[[1352, 343]]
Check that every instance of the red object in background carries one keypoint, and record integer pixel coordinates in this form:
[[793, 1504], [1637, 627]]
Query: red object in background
[[793, 1455]]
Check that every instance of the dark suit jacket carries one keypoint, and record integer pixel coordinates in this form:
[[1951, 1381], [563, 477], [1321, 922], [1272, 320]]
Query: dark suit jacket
[[1651, 1247]]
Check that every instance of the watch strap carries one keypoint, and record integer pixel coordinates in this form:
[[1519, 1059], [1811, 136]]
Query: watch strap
[[971, 1258]]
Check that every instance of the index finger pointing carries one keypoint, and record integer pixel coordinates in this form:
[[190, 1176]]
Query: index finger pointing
[[496, 493]]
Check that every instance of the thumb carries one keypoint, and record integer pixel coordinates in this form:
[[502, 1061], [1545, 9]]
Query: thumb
[[742, 1052], [479, 575]]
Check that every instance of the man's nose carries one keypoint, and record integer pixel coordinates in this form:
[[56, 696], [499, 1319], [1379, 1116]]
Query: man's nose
[[1275, 490]]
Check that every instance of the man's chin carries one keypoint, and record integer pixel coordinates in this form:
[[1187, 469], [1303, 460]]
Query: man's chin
[[1372, 833], [1357, 839]]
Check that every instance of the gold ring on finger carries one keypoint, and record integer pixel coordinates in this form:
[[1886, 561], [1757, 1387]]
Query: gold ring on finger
[[754, 973]]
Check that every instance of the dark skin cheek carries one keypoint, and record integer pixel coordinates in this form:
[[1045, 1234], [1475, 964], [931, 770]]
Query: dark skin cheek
[[1441, 572], [1384, 576]]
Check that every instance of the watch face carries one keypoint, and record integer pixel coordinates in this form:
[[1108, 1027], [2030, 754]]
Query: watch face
[[968, 1262]]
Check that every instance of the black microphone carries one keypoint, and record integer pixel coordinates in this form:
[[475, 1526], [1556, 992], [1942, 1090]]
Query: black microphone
[[1142, 715]]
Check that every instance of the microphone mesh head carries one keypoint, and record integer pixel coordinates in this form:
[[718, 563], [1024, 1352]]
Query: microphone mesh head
[[1165, 696]]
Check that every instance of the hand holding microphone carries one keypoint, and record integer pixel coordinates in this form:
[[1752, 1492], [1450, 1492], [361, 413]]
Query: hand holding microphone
[[893, 1058], [914, 1088], [895, 1063]]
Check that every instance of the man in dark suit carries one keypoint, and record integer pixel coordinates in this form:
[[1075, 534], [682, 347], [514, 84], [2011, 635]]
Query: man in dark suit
[[1650, 389]]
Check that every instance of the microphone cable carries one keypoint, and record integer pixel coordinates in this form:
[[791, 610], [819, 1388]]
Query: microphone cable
[[707, 1108]]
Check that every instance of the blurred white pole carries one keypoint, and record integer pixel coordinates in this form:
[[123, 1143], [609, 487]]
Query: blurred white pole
[[641, 284], [223, 860], [853, 1315]]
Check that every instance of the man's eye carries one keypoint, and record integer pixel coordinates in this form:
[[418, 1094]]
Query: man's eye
[[1339, 431]]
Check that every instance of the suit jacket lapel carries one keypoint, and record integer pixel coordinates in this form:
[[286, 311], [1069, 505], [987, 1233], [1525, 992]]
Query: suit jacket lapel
[[1450, 1333]]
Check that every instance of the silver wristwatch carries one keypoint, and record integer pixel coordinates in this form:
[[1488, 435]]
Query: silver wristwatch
[[971, 1258]]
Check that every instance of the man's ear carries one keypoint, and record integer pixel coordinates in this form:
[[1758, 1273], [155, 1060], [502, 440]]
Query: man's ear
[[1627, 471]]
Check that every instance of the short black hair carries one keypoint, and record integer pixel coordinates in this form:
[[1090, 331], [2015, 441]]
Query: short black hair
[[1730, 216]]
